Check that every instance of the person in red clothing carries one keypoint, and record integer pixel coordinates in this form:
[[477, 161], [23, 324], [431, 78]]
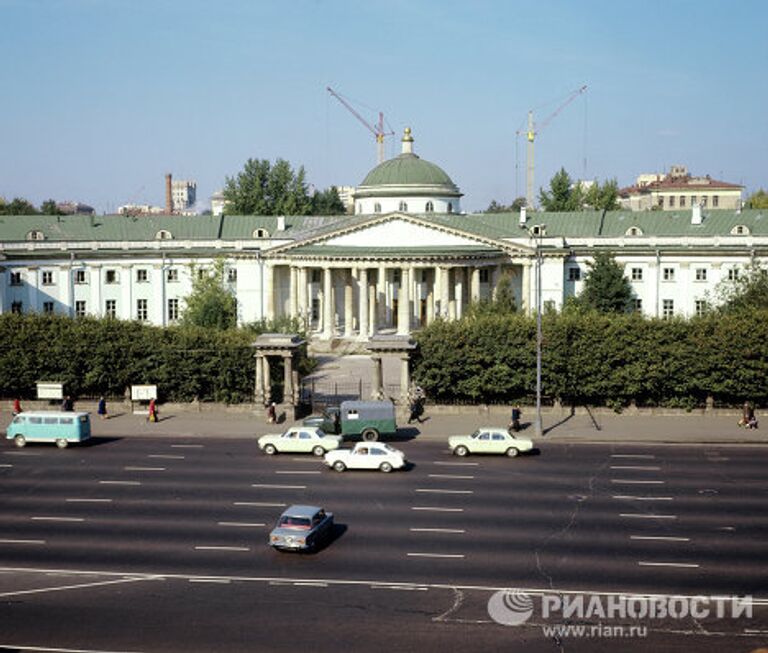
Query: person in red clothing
[[16, 406], [152, 417]]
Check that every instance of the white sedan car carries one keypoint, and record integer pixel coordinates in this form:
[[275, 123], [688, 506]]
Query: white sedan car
[[366, 455], [299, 439], [489, 439]]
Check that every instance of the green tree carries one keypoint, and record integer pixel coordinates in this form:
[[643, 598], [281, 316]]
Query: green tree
[[502, 303], [49, 208], [603, 197], [758, 200], [606, 289], [211, 303], [747, 292], [562, 195], [327, 202], [265, 189], [18, 206], [495, 207]]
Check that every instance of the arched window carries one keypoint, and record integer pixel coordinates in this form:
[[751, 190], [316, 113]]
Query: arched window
[[634, 231], [403, 206], [260, 233], [450, 207], [377, 208], [430, 207], [35, 235], [740, 230], [163, 234], [539, 230]]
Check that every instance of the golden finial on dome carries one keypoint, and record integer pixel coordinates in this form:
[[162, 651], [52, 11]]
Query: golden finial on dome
[[407, 141], [407, 135]]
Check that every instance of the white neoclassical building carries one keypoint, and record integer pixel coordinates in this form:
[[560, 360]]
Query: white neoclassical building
[[405, 258]]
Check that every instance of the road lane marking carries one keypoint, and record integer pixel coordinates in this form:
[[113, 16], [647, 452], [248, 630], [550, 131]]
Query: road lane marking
[[684, 565], [638, 515], [144, 469], [316, 460], [241, 524], [68, 519], [22, 453], [88, 500], [435, 555], [260, 503], [632, 455], [187, 446], [6, 465], [468, 477], [120, 482], [22, 541], [222, 548], [63, 588], [629, 497], [434, 508], [437, 530], [309, 583], [441, 462], [279, 487], [400, 588], [660, 538], [294, 471], [643, 468], [166, 456], [632, 481], [222, 581], [440, 491]]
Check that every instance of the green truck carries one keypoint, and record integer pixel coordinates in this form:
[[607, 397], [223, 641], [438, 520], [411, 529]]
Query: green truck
[[368, 419]]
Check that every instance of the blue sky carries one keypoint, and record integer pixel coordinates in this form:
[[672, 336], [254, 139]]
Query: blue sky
[[102, 97]]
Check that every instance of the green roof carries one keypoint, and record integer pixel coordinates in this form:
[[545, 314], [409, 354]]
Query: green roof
[[409, 170]]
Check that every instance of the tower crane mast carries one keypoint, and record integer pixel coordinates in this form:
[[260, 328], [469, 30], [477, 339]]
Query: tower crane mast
[[531, 134], [377, 130]]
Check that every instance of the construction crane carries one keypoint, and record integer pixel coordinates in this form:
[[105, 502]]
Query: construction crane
[[377, 130], [533, 129]]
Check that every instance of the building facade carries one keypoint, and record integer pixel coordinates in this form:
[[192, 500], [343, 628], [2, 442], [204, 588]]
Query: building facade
[[355, 276]]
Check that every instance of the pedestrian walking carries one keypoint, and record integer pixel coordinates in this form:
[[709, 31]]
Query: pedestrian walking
[[16, 406], [101, 409], [152, 415], [272, 413], [514, 425], [747, 415], [68, 405]]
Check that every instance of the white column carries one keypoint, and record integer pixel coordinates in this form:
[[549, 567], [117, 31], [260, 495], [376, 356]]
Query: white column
[[328, 326], [303, 304], [348, 303], [445, 292], [414, 306], [403, 304], [269, 291], [362, 295], [475, 285], [432, 296], [527, 304], [293, 300], [459, 273], [381, 298]]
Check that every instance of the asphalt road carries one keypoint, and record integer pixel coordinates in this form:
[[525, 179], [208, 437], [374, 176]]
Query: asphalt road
[[142, 544]]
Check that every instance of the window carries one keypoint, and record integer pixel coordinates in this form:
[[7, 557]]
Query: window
[[47, 278], [80, 278], [740, 230], [701, 307], [15, 278], [668, 274], [403, 206], [16, 307], [172, 275], [424, 276], [142, 276], [141, 309], [163, 234], [671, 201], [202, 273], [637, 274], [110, 308], [377, 208], [396, 275], [35, 235], [315, 276], [232, 275], [668, 308], [450, 207], [637, 305], [733, 274], [315, 309], [110, 276], [538, 230], [430, 207], [682, 201], [704, 201], [484, 275], [80, 308], [634, 231], [260, 233], [574, 274], [693, 200], [715, 201], [173, 310], [48, 308]]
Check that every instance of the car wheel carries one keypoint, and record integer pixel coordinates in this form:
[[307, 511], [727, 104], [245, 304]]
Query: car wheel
[[512, 452], [270, 450], [385, 467], [339, 466], [19, 441], [461, 450], [61, 443], [370, 435], [318, 451]]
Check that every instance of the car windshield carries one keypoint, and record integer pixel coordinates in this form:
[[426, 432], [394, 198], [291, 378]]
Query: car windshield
[[299, 523], [388, 448]]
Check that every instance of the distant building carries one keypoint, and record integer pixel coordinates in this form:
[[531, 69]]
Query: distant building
[[184, 193], [140, 209], [347, 197], [72, 208], [679, 190], [217, 203]]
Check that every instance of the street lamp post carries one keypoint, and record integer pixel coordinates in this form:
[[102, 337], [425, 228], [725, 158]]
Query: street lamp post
[[536, 234]]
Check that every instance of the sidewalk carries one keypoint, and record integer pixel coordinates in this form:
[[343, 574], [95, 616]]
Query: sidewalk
[[688, 429]]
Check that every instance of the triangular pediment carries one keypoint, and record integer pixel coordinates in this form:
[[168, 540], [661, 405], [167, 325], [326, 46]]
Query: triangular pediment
[[400, 232]]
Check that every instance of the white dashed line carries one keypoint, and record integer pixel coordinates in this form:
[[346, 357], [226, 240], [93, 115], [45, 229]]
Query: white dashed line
[[260, 504], [632, 455], [22, 541], [88, 500], [435, 555], [400, 588], [220, 581], [144, 469], [437, 530], [684, 565], [457, 476], [187, 446], [309, 584], [240, 524], [294, 471], [629, 497], [222, 548], [660, 538], [642, 468], [279, 487], [120, 482], [166, 456], [67, 519], [631, 481], [441, 462], [637, 515], [6, 465], [440, 491], [435, 509], [22, 453]]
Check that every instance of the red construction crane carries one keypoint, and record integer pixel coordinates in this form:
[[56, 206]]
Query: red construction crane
[[377, 130]]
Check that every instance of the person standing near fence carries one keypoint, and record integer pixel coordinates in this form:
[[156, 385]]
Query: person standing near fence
[[102, 408], [16, 406]]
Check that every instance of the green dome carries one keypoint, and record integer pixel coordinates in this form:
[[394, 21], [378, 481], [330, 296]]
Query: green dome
[[408, 169]]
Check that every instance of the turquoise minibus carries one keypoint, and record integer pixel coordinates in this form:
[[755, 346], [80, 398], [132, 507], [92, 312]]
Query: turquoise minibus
[[49, 426]]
